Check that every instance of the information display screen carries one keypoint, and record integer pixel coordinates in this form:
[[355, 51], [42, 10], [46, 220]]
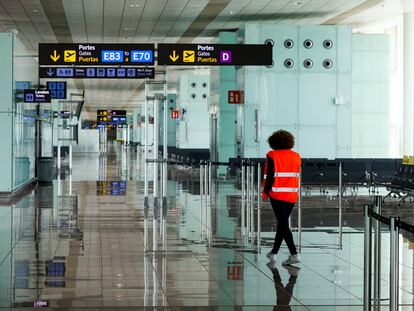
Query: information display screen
[[112, 118]]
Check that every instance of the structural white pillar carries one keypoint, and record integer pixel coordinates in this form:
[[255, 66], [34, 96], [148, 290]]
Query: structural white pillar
[[408, 67]]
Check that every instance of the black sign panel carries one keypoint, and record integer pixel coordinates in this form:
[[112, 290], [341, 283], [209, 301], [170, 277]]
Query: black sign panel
[[112, 118], [214, 54], [97, 72], [57, 89], [37, 96], [95, 54]]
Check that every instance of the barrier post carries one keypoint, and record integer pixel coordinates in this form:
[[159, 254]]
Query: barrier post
[[300, 214], [367, 259], [259, 216], [340, 206], [248, 199], [377, 252], [394, 263], [146, 140], [206, 190], [253, 196], [201, 196], [243, 198]]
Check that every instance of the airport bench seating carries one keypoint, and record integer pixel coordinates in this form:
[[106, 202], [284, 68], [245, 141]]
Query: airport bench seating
[[402, 184], [355, 171]]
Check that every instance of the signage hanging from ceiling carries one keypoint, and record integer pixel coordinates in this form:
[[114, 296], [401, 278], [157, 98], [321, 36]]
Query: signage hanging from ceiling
[[112, 118], [97, 72], [37, 96], [57, 89], [215, 54], [95, 54]]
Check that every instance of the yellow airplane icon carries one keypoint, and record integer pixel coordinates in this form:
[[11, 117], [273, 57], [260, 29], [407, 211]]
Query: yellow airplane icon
[[188, 56], [69, 56]]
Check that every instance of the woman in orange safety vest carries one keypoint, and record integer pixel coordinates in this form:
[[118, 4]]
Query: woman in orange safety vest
[[281, 186]]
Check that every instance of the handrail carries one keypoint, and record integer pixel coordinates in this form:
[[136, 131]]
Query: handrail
[[387, 220], [394, 224]]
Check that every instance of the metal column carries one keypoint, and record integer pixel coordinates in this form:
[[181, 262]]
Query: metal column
[[300, 214], [340, 207], [259, 211], [377, 252], [367, 259], [243, 198], [165, 143], [394, 263], [146, 119]]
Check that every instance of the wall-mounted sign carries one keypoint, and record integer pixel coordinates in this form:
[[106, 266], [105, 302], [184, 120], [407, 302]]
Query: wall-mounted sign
[[214, 54], [97, 72], [95, 54], [175, 114], [57, 89], [37, 96], [235, 97]]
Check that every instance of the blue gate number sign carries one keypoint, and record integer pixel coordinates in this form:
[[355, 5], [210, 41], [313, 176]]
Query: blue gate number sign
[[112, 56], [142, 56]]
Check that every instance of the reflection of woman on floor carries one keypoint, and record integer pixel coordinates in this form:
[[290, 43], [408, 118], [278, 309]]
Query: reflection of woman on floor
[[283, 293]]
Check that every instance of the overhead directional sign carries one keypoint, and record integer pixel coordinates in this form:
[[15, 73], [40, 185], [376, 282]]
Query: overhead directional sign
[[97, 72], [57, 89], [95, 54], [214, 54], [37, 96]]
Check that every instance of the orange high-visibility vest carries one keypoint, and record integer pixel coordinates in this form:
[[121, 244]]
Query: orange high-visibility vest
[[286, 175]]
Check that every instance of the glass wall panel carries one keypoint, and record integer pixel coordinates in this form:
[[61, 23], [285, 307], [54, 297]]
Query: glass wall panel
[[25, 75]]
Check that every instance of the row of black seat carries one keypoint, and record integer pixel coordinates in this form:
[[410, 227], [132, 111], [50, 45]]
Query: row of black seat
[[188, 156], [403, 181], [354, 171]]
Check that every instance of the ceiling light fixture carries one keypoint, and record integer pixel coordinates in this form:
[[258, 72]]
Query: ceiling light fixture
[[35, 10], [134, 5], [297, 3], [231, 12]]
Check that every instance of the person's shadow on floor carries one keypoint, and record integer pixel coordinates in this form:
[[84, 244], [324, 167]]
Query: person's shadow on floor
[[283, 293]]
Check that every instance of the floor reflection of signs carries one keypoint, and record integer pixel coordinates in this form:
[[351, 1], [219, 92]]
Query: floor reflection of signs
[[235, 270], [111, 187]]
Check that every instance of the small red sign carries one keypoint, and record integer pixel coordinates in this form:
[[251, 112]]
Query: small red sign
[[175, 114], [236, 97]]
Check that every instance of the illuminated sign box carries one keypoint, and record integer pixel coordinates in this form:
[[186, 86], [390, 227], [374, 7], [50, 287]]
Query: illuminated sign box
[[235, 97], [97, 72], [95, 54], [215, 54], [37, 96]]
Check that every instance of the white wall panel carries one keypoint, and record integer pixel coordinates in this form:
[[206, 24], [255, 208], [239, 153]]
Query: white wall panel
[[313, 103]]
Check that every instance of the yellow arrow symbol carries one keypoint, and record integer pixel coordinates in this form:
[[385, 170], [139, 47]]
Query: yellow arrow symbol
[[55, 56], [174, 57]]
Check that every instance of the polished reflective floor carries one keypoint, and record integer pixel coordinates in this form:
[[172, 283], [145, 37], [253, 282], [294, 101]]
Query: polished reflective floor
[[86, 242]]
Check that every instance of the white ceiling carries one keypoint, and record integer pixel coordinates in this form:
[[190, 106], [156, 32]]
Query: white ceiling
[[140, 21]]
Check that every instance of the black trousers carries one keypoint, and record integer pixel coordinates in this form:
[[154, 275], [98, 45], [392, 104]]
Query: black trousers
[[282, 210]]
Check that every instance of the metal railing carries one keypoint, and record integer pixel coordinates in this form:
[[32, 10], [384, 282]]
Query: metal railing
[[251, 199], [374, 220], [250, 196]]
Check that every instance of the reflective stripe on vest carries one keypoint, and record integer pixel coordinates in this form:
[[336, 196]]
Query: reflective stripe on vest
[[285, 189], [286, 174]]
